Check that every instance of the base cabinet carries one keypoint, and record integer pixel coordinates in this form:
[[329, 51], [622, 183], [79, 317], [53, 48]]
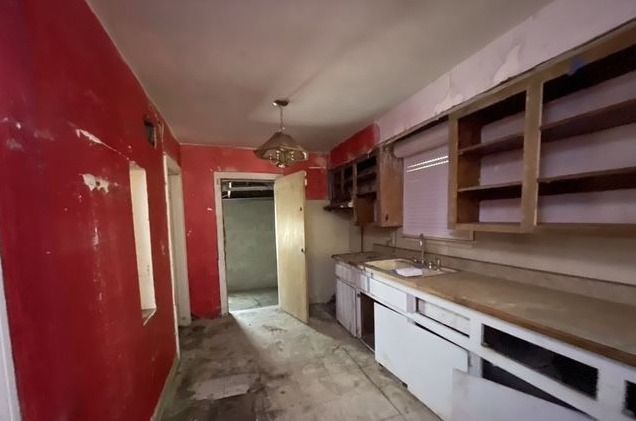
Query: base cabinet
[[432, 361], [477, 399], [346, 305], [392, 341]]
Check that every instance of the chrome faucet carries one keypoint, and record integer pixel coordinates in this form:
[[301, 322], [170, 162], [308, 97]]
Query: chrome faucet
[[429, 264]]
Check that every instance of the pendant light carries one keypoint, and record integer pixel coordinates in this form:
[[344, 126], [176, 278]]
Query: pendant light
[[281, 149]]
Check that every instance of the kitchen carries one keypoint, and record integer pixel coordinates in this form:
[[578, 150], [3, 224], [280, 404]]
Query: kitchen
[[318, 210]]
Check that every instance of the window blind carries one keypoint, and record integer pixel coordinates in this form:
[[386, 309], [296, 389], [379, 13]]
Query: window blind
[[425, 197]]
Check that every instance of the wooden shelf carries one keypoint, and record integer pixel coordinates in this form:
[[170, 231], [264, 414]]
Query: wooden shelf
[[339, 206], [600, 119], [615, 179], [367, 175], [490, 227], [617, 230], [493, 191], [504, 144]]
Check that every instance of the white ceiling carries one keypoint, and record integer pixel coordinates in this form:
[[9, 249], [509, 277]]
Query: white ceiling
[[213, 66]]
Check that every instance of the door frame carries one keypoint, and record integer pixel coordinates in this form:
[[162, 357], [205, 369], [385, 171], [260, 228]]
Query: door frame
[[220, 231], [177, 252], [10, 409]]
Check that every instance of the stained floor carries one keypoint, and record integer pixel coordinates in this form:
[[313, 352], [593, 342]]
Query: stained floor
[[245, 300], [265, 365]]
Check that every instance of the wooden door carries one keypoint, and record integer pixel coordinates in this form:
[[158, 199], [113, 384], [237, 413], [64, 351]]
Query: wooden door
[[390, 188], [289, 200]]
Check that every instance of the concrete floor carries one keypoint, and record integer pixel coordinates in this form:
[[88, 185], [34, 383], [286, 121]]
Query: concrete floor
[[265, 365], [245, 300]]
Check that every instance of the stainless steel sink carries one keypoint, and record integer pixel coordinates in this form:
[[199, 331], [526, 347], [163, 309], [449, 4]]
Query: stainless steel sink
[[390, 265]]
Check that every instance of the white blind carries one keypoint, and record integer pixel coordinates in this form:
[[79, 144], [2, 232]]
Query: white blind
[[426, 195]]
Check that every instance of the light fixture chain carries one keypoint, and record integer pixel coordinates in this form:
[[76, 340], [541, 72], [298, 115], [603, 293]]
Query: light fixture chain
[[282, 126]]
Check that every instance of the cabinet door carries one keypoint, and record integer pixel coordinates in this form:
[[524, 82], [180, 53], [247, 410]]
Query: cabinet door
[[346, 306], [389, 203], [392, 341], [430, 378], [478, 399]]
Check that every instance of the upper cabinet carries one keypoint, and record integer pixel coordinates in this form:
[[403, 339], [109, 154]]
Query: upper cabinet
[[555, 149], [371, 187]]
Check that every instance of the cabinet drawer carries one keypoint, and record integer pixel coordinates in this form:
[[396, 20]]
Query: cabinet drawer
[[388, 295], [446, 317]]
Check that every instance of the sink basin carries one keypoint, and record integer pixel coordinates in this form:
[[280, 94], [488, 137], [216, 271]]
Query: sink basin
[[390, 265]]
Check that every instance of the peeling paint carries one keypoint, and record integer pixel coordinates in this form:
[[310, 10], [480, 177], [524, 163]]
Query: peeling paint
[[14, 145], [81, 133], [17, 124], [95, 237], [89, 136], [449, 101], [96, 183], [510, 67], [210, 210], [43, 134]]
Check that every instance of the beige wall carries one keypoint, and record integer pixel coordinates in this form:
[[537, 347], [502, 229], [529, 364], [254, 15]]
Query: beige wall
[[607, 258], [326, 234]]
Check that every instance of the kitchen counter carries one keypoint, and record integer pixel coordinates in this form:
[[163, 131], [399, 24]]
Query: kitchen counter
[[357, 259], [599, 326]]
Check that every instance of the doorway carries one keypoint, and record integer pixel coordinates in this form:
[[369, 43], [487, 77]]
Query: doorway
[[289, 233], [250, 243], [177, 242]]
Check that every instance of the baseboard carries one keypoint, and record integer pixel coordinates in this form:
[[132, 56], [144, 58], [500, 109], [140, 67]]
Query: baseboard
[[168, 391]]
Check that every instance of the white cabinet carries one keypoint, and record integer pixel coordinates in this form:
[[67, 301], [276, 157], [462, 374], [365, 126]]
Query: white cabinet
[[477, 399], [392, 341], [346, 306], [432, 361], [389, 295]]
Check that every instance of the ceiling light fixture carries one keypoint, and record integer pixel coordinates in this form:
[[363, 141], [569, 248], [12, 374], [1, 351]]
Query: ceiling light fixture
[[281, 149]]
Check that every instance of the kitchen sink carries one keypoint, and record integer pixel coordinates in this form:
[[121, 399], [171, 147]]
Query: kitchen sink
[[391, 265]]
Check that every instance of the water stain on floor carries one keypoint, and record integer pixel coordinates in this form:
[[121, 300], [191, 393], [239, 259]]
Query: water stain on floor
[[264, 365]]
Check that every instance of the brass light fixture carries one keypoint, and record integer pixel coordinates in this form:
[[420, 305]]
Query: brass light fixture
[[281, 149]]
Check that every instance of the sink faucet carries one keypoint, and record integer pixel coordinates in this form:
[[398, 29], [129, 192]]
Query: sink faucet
[[430, 264], [421, 261]]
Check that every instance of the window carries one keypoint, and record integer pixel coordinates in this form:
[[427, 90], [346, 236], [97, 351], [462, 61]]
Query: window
[[143, 244], [425, 198]]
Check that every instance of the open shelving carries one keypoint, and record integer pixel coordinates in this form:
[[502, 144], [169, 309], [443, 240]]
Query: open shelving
[[370, 187], [554, 139]]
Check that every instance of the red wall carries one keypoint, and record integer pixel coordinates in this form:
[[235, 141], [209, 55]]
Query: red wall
[[199, 163], [68, 256], [359, 144]]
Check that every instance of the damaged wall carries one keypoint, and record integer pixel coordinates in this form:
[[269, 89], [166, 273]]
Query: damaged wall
[[71, 122], [560, 26], [199, 163]]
